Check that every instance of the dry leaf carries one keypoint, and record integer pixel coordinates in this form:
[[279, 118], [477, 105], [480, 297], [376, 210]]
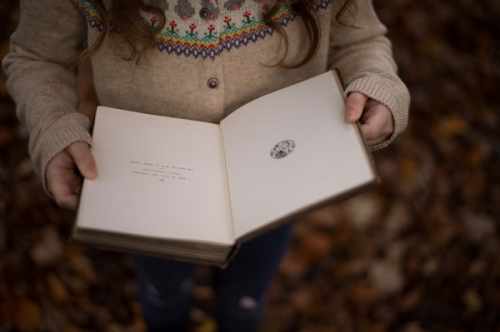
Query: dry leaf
[[49, 250], [27, 316], [316, 246], [57, 289]]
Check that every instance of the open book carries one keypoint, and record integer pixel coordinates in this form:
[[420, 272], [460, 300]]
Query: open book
[[193, 191]]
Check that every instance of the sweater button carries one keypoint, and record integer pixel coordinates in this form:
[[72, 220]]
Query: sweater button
[[205, 14], [213, 83]]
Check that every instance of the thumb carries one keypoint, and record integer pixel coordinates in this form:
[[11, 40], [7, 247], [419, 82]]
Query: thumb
[[84, 159], [354, 106]]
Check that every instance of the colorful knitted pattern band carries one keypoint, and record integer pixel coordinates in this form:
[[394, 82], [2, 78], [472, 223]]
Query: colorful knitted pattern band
[[186, 34]]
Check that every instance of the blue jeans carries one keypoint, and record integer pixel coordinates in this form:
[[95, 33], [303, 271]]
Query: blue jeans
[[164, 286]]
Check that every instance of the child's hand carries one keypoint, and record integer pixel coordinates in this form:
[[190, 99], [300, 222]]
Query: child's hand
[[375, 118], [63, 179]]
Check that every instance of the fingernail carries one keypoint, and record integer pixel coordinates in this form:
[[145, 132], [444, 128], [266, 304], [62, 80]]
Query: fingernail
[[350, 115], [90, 173]]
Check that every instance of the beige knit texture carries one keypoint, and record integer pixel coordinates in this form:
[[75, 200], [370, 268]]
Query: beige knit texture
[[52, 31]]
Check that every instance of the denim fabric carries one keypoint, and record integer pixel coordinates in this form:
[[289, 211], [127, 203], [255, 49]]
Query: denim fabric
[[164, 286]]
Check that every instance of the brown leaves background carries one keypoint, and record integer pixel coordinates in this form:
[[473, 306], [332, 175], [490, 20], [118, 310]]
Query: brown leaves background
[[418, 253]]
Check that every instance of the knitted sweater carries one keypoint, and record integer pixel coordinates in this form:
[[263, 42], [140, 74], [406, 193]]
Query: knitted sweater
[[214, 56]]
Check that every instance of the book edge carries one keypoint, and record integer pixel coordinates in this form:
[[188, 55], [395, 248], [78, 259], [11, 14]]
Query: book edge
[[309, 208]]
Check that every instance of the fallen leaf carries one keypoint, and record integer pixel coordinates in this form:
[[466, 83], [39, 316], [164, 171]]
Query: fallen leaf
[[57, 289], [28, 316]]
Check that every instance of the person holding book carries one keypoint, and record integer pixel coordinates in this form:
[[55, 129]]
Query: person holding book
[[197, 60]]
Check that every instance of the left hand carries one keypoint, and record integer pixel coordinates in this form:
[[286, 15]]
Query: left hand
[[62, 180], [375, 118]]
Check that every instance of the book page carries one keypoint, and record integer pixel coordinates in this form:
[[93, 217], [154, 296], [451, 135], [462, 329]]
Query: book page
[[289, 150], [157, 177]]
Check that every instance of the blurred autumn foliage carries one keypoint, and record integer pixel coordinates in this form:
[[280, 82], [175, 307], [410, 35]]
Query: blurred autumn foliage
[[419, 253]]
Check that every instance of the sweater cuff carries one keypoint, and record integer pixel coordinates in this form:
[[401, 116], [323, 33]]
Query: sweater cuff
[[68, 129], [387, 89]]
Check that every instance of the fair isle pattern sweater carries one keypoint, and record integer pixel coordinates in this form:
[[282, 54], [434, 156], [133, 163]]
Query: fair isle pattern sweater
[[214, 56], [184, 36]]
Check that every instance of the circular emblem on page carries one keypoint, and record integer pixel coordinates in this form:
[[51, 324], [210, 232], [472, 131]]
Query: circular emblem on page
[[283, 149]]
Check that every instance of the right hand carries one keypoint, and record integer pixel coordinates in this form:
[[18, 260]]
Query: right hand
[[64, 173], [375, 118]]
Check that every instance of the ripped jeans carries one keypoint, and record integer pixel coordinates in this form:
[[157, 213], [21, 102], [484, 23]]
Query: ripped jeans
[[164, 286]]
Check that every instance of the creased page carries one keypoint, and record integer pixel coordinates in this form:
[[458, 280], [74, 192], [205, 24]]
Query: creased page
[[158, 177], [289, 150]]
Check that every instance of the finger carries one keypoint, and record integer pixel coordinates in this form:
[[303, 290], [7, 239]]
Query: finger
[[64, 192], [374, 130], [373, 125], [354, 106], [84, 159], [69, 202], [378, 122], [370, 134]]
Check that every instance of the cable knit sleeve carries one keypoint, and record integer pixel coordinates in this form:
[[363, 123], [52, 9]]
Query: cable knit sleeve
[[359, 48], [49, 33]]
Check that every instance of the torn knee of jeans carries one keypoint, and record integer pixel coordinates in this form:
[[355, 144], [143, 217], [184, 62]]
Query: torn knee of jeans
[[186, 285], [160, 297], [151, 289], [248, 303]]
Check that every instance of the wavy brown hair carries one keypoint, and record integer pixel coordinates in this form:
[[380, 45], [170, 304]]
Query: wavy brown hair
[[126, 25]]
